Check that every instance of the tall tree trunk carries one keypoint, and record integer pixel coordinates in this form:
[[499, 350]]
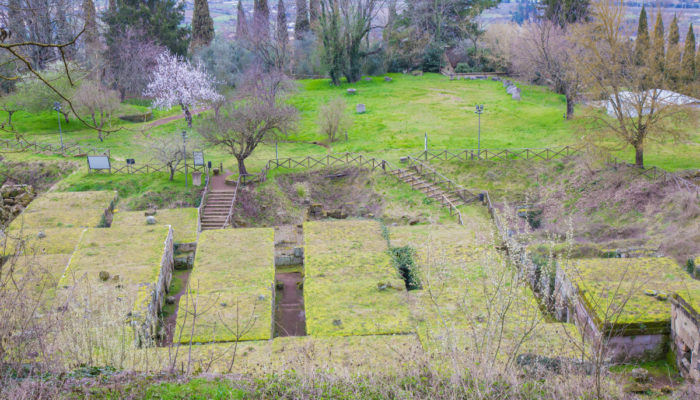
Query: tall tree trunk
[[569, 106], [241, 166], [172, 172], [639, 155], [188, 115]]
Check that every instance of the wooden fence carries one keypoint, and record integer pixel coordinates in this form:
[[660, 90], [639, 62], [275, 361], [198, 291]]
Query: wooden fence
[[44, 148], [542, 154], [151, 168]]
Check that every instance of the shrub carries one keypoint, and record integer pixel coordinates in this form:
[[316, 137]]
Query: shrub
[[463, 68], [432, 57], [402, 257], [332, 119]]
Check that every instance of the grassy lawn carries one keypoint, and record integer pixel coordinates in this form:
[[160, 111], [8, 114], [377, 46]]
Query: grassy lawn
[[182, 220], [466, 285], [233, 273], [399, 114], [623, 282], [42, 241], [345, 263], [56, 209]]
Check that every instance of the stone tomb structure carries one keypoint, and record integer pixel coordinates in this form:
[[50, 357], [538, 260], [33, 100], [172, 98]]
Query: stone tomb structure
[[590, 292], [685, 337]]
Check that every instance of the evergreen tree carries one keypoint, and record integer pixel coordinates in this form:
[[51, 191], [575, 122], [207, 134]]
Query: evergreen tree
[[91, 36], [697, 64], [261, 19], [302, 22], [314, 12], [202, 25], [159, 20], [688, 66], [281, 34], [658, 50], [241, 22], [673, 55], [641, 45]]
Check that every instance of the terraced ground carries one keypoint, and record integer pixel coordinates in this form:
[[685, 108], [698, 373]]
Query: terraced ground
[[350, 285], [182, 220], [231, 283], [467, 286], [65, 210], [632, 292]]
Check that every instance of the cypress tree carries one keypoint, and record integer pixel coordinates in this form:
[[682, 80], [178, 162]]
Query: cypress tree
[[301, 25], [658, 49], [673, 54], [688, 66], [202, 25], [641, 45], [314, 12], [91, 36], [241, 22], [261, 19], [281, 34]]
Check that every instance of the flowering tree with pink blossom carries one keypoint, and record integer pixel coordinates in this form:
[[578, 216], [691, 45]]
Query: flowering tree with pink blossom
[[175, 81]]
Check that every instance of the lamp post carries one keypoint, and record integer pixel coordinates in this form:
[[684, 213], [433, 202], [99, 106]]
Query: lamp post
[[57, 107], [184, 153], [479, 111]]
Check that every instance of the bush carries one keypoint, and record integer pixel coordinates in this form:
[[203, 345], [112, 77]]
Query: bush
[[463, 68], [402, 257], [432, 57]]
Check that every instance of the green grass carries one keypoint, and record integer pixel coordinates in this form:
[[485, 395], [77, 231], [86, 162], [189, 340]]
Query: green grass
[[231, 281], [136, 192], [399, 113], [54, 241], [130, 255], [182, 220], [619, 285], [345, 262], [196, 389], [461, 272], [64, 210]]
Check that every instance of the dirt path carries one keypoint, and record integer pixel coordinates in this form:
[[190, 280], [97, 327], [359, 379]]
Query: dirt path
[[172, 118], [170, 323], [290, 318], [217, 183]]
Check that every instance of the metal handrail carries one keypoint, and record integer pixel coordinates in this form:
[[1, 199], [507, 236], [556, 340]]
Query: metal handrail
[[233, 202]]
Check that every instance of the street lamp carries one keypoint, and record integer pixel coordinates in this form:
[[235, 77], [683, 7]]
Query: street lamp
[[57, 107], [184, 152], [479, 111]]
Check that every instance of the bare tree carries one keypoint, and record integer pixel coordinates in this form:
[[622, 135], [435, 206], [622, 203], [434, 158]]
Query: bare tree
[[546, 52], [608, 67], [98, 103], [332, 118], [257, 113], [167, 150], [130, 68]]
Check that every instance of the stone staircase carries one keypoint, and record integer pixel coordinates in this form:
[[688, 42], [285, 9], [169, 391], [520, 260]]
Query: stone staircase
[[430, 189], [216, 209]]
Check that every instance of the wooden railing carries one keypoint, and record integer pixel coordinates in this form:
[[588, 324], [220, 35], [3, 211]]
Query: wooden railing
[[233, 203], [544, 154], [151, 168], [329, 160], [441, 180], [202, 203], [66, 149]]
